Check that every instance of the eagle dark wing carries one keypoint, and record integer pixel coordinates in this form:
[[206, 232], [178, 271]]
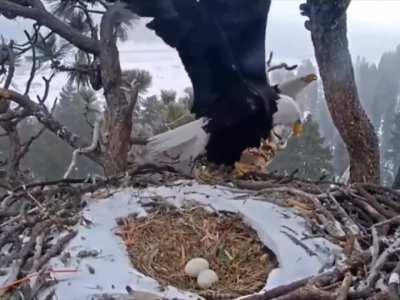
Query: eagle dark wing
[[222, 46]]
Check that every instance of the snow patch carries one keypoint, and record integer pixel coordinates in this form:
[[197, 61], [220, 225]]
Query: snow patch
[[111, 271]]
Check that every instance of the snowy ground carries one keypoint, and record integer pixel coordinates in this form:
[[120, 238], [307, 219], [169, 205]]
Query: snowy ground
[[113, 270]]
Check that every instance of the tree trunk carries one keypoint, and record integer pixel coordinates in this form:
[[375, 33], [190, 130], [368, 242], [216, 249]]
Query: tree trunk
[[328, 26], [396, 183], [118, 114]]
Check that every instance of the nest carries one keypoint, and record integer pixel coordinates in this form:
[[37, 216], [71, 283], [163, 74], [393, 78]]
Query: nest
[[161, 243]]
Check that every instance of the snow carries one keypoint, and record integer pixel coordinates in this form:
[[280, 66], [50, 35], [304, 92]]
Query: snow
[[113, 270]]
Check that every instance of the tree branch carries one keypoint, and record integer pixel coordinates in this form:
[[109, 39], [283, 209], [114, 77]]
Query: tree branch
[[45, 117], [90, 148], [11, 69], [43, 17], [33, 67]]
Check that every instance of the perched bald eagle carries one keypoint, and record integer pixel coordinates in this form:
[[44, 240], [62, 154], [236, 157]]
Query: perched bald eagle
[[222, 46]]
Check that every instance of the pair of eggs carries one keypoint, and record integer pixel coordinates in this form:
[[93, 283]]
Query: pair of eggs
[[200, 268]]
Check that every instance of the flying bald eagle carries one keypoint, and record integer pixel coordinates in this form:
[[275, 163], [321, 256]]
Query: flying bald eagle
[[289, 113], [222, 46], [192, 138]]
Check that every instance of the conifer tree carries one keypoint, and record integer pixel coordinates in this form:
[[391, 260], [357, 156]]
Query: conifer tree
[[306, 154]]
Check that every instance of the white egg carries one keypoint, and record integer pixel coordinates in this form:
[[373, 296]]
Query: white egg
[[207, 278], [195, 266]]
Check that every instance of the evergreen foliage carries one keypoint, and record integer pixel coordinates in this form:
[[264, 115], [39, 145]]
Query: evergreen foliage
[[49, 156], [306, 154]]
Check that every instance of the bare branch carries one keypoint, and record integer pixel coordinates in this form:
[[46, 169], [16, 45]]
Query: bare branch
[[344, 289], [90, 148], [394, 283], [375, 245], [43, 115], [282, 66], [33, 68], [47, 82], [14, 115], [11, 68], [373, 275], [89, 20]]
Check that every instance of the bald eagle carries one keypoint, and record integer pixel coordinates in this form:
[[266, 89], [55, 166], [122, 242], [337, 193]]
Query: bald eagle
[[221, 44]]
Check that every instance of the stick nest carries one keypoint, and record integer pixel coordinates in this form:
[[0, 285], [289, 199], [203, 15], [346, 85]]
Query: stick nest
[[161, 244]]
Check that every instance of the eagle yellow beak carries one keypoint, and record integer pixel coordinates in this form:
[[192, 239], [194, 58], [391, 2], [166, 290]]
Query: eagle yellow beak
[[298, 129], [310, 78]]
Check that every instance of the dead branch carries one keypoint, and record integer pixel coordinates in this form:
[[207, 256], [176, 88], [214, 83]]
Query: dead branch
[[365, 205], [92, 147], [282, 290], [374, 273], [394, 220], [38, 252], [22, 255], [346, 219], [45, 117], [375, 245], [11, 62], [32, 74], [56, 249], [344, 289], [308, 293], [394, 283], [282, 66]]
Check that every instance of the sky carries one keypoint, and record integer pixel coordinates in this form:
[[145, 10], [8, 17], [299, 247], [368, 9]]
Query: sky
[[373, 28]]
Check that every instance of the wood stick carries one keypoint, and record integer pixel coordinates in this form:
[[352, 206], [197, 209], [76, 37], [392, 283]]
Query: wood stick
[[344, 289], [374, 273], [394, 283]]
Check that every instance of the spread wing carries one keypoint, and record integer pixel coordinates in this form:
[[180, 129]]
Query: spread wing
[[222, 45]]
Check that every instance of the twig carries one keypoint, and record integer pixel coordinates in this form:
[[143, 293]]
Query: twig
[[288, 288], [394, 283], [347, 220], [38, 252], [23, 254], [308, 293], [33, 67], [292, 191], [282, 66], [395, 219], [375, 246], [363, 204], [374, 273], [344, 289], [56, 249]]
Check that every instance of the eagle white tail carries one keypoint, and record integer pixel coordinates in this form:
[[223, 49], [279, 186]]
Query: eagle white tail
[[187, 141]]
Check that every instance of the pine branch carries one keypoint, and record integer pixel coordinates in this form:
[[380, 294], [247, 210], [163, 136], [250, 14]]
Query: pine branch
[[39, 13]]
